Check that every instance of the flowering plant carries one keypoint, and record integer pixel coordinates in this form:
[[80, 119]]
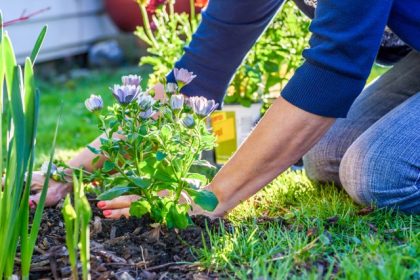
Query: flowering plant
[[151, 145]]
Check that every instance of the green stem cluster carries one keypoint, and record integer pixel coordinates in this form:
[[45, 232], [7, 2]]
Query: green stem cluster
[[76, 220]]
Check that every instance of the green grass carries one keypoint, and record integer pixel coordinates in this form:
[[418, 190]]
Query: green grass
[[297, 229], [315, 231]]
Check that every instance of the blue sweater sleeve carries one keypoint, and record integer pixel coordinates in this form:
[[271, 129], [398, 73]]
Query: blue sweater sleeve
[[227, 31], [345, 40]]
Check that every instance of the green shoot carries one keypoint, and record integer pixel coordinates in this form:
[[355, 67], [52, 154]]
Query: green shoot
[[76, 220]]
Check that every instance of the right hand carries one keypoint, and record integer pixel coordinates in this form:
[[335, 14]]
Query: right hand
[[56, 190]]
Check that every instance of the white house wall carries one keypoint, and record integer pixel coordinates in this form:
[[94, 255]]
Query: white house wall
[[72, 26]]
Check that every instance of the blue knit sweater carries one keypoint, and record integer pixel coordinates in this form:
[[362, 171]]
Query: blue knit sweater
[[345, 40]]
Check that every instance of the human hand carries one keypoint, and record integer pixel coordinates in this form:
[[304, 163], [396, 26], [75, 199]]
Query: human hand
[[56, 190], [120, 206]]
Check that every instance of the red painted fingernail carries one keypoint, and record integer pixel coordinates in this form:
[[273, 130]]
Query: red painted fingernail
[[31, 203], [107, 213], [101, 204]]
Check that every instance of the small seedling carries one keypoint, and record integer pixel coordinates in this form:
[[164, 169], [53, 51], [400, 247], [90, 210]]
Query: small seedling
[[76, 221]]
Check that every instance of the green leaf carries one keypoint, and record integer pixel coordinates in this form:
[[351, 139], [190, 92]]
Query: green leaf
[[143, 183], [95, 160], [203, 198], [38, 43], [203, 163], [197, 176], [165, 174], [29, 100], [160, 155], [158, 211], [108, 166], [116, 192], [139, 208], [177, 216], [94, 150], [165, 132]]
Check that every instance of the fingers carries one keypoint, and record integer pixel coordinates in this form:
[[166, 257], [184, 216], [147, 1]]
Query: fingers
[[52, 198], [55, 192], [117, 207], [117, 203], [38, 180], [117, 213]]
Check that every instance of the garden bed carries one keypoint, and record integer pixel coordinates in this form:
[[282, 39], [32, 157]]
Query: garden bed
[[124, 249]]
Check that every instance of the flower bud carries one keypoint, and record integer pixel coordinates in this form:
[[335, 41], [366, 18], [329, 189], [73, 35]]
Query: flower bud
[[147, 114], [188, 121], [131, 80], [171, 88], [201, 106], [177, 102], [94, 103], [145, 101], [183, 77]]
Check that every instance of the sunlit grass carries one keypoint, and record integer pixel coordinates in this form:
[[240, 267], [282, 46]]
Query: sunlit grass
[[315, 233]]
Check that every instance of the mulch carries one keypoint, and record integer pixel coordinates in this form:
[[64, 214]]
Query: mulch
[[125, 249]]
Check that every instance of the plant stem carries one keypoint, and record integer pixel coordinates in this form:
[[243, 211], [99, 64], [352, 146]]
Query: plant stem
[[146, 25], [192, 11], [171, 8]]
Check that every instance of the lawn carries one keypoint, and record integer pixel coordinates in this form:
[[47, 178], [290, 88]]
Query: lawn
[[294, 228]]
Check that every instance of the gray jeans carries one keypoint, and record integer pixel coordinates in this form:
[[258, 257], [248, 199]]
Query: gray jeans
[[374, 154]]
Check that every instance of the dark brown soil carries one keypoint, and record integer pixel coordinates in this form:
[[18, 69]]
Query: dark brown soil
[[125, 249]]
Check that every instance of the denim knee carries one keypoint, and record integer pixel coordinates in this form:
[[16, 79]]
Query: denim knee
[[320, 166], [373, 174], [322, 162]]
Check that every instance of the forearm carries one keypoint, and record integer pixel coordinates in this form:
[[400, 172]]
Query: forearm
[[279, 140], [84, 158]]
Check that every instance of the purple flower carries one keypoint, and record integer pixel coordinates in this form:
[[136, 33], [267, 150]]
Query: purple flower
[[177, 102], [125, 93], [201, 106], [147, 114], [171, 88], [145, 101], [131, 80], [188, 121], [183, 77], [94, 103]]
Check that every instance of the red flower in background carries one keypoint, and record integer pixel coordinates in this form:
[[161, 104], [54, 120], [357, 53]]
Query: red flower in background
[[201, 3], [154, 4]]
